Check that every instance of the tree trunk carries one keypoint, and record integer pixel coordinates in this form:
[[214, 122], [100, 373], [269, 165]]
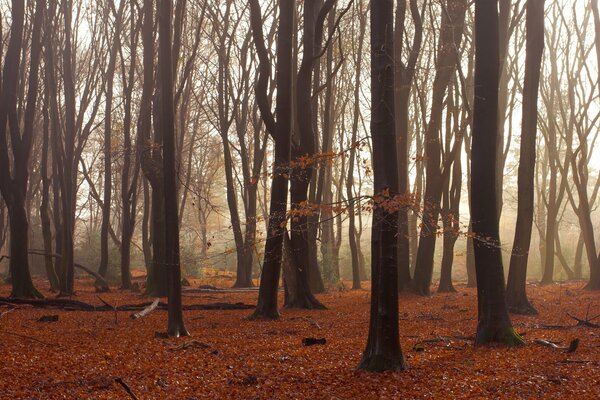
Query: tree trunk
[[404, 78], [45, 202], [450, 38], [516, 295], [303, 151], [280, 130], [13, 187], [494, 323], [176, 327], [383, 351], [107, 191]]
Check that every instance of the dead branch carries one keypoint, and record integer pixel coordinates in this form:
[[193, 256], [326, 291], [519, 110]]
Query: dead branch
[[126, 387], [571, 348], [74, 305], [146, 310], [191, 344], [584, 322], [26, 337]]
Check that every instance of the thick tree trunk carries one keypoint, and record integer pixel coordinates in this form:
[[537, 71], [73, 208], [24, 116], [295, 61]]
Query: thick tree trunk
[[13, 187], [176, 327], [383, 351], [494, 324]]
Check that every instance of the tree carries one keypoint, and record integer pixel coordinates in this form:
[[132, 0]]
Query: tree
[[452, 26], [303, 152], [494, 324], [13, 179], [106, 203], [131, 170], [280, 131], [404, 79], [352, 234], [176, 326], [383, 351], [516, 295], [151, 158]]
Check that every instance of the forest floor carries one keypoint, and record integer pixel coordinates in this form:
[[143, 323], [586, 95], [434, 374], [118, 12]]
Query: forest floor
[[84, 354]]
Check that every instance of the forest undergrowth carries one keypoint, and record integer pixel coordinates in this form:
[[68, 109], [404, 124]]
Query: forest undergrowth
[[108, 355]]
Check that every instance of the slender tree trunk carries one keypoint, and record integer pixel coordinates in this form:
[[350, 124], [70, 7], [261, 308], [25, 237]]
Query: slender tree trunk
[[352, 239], [302, 165], [107, 192], [404, 78], [516, 295], [45, 202], [451, 35]]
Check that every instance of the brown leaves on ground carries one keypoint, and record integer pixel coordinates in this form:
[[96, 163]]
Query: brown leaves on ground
[[84, 354]]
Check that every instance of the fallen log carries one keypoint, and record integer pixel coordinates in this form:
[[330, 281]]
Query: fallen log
[[75, 305]]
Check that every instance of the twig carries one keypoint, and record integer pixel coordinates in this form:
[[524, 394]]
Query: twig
[[7, 311], [584, 322], [27, 337], [191, 344], [111, 306], [579, 362], [127, 388]]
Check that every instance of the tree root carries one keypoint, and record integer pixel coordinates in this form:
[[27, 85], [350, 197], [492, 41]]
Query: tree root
[[506, 335]]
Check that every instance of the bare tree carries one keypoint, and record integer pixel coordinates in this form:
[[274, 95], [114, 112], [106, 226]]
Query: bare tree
[[383, 351], [517, 274], [14, 178], [494, 323], [280, 131]]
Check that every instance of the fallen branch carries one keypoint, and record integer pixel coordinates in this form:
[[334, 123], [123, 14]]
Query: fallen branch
[[146, 310], [111, 306], [191, 344], [127, 388], [584, 322], [579, 362], [75, 305], [7, 311], [27, 337], [567, 349]]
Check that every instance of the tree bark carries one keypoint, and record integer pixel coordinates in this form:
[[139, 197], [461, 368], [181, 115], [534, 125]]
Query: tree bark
[[516, 295], [280, 130], [176, 327], [383, 351], [13, 186], [494, 324], [450, 38], [404, 79]]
